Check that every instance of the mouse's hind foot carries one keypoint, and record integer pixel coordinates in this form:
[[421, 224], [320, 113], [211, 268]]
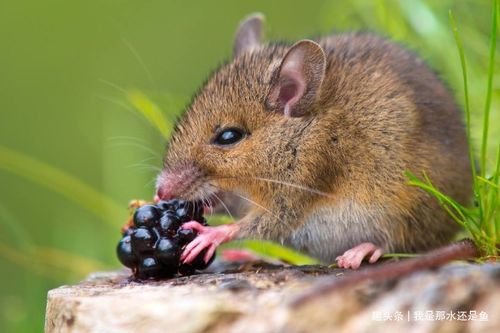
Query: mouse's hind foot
[[352, 258]]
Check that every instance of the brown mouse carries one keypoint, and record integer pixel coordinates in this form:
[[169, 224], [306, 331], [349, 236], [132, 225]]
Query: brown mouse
[[317, 136]]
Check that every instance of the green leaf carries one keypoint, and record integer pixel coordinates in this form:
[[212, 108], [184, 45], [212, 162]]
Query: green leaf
[[272, 250]]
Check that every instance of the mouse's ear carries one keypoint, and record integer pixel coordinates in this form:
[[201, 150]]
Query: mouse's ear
[[249, 34], [298, 80]]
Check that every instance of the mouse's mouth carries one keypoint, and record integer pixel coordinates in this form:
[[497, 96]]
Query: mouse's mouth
[[186, 182], [209, 206], [189, 182]]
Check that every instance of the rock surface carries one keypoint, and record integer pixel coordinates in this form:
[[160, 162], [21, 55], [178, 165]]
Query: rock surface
[[259, 297]]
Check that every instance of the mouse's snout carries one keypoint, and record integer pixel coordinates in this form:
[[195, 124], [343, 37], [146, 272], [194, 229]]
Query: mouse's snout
[[178, 182]]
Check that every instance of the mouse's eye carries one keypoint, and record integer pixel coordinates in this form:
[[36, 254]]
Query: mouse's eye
[[228, 136]]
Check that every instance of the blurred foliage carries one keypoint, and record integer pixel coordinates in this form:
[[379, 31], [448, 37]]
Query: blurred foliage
[[73, 74], [482, 219]]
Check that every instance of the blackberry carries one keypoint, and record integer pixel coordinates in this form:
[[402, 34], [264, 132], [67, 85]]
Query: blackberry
[[197, 264], [168, 205], [152, 246], [168, 251], [146, 216], [186, 235], [142, 240], [124, 252], [149, 267], [169, 223], [187, 210]]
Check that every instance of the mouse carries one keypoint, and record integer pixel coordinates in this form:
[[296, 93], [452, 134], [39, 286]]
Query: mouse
[[316, 136]]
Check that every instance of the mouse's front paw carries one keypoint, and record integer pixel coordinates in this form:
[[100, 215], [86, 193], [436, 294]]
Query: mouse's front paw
[[352, 258], [208, 238]]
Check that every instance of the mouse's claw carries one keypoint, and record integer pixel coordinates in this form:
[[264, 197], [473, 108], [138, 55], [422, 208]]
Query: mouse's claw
[[208, 238], [352, 258]]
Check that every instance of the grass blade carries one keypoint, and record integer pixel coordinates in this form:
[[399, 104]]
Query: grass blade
[[49, 262], [463, 65], [150, 111], [487, 105], [77, 264], [15, 230], [489, 182], [414, 181], [20, 259], [496, 174], [63, 183]]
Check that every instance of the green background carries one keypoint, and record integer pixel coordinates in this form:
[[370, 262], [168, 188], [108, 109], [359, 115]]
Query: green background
[[73, 151]]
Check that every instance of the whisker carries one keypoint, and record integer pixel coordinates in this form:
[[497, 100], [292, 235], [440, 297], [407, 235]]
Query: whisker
[[115, 102], [137, 145], [223, 205], [253, 202], [144, 166], [211, 206], [126, 137], [141, 62], [113, 85], [300, 187], [270, 212], [150, 182], [147, 159], [206, 201]]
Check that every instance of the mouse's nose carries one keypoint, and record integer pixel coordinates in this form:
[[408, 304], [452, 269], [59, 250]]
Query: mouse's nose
[[162, 194], [177, 182]]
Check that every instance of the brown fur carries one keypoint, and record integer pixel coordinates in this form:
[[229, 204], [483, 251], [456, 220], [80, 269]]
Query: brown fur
[[380, 111]]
